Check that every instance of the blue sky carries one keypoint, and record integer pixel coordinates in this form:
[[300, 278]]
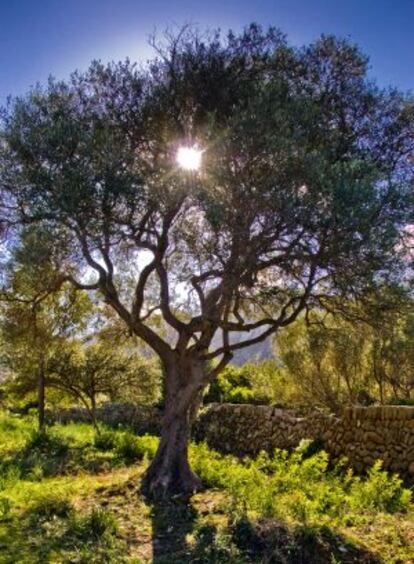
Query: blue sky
[[43, 37]]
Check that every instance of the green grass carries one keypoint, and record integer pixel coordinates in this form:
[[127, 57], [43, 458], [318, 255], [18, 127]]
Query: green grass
[[302, 489], [71, 495]]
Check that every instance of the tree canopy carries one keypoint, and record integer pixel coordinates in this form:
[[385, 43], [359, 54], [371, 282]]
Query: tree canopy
[[304, 192]]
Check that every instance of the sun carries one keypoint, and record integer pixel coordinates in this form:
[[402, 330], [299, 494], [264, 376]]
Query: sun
[[189, 158]]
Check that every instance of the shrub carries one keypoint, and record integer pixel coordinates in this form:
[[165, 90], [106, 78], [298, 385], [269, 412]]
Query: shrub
[[42, 455], [241, 394], [380, 492], [47, 442], [14, 432], [105, 440], [305, 490], [254, 382], [128, 448], [311, 447], [94, 526], [9, 474], [400, 401], [148, 445], [49, 506], [9, 424], [5, 508], [76, 434], [223, 387], [132, 448]]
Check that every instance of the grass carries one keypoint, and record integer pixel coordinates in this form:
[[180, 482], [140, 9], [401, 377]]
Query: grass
[[73, 496]]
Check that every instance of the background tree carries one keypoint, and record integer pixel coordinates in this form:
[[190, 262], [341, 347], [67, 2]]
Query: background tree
[[392, 358], [327, 363], [302, 193], [334, 361], [37, 316], [87, 372]]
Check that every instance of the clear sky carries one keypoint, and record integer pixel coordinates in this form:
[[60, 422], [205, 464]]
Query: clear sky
[[42, 37]]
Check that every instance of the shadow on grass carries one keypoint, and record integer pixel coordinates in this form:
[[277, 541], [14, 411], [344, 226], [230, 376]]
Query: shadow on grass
[[172, 523], [178, 537], [270, 541], [59, 536], [48, 455]]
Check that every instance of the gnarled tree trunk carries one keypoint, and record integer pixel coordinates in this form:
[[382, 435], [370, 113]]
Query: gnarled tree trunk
[[170, 473]]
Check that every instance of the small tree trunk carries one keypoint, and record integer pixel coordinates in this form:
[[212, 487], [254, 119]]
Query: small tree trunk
[[41, 396], [93, 408], [169, 473], [381, 390]]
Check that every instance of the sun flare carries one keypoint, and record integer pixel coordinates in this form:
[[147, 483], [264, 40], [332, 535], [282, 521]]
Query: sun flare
[[189, 158]]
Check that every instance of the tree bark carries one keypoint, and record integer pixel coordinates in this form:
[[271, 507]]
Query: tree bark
[[169, 473]]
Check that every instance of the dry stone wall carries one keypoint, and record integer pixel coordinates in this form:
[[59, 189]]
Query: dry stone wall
[[141, 418], [362, 434], [247, 429], [365, 434]]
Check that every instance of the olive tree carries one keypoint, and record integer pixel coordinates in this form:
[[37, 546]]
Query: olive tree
[[302, 192], [37, 316], [88, 371]]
